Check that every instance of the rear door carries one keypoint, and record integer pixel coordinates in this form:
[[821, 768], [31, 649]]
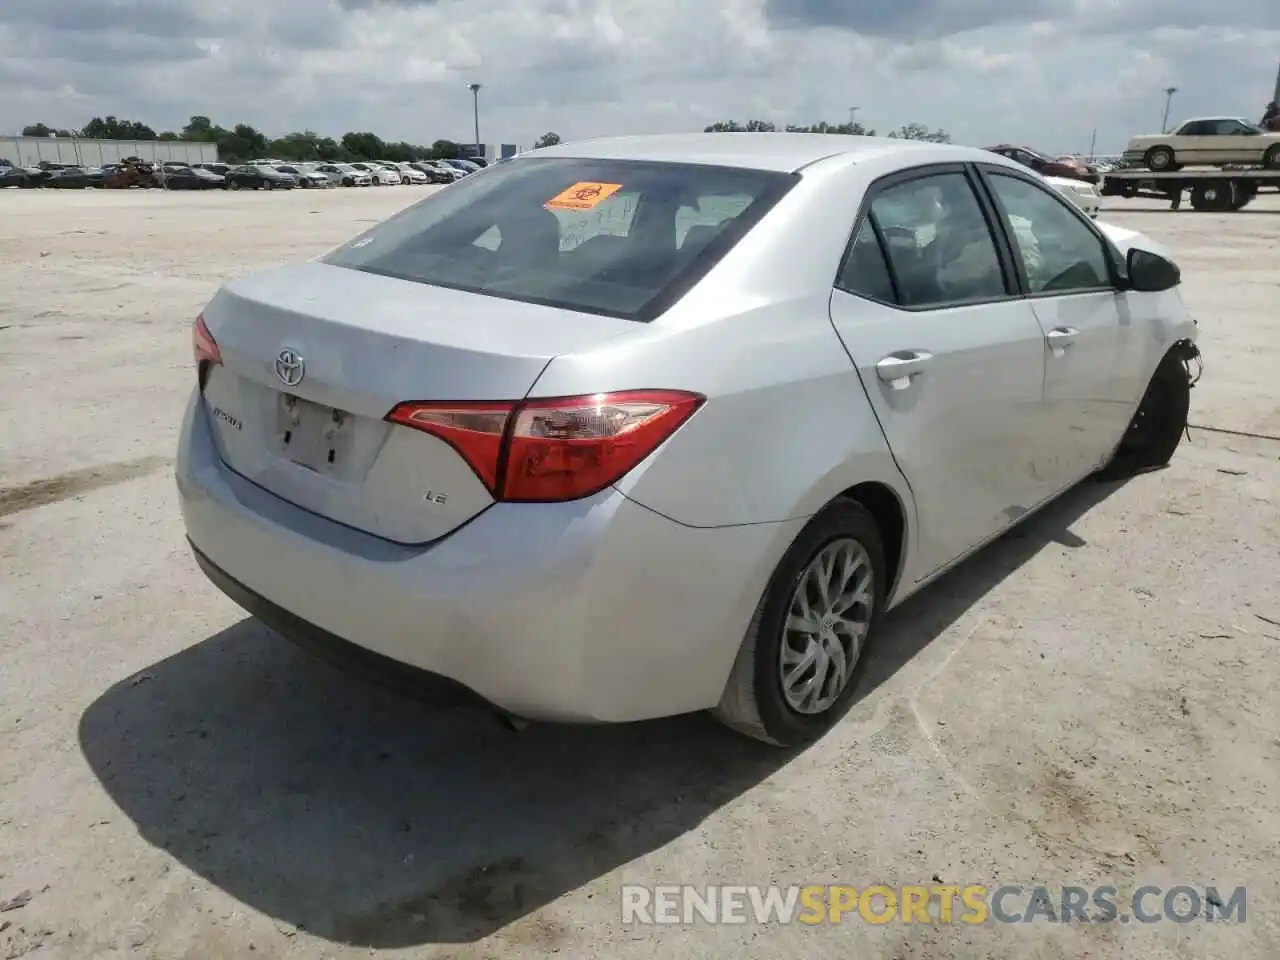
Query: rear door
[[1224, 141], [1094, 349], [1246, 145], [951, 357]]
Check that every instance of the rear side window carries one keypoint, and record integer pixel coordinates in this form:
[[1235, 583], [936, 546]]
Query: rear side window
[[865, 271], [1228, 128], [613, 237], [940, 247]]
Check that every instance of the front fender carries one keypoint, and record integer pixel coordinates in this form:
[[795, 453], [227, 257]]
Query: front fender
[[1125, 239]]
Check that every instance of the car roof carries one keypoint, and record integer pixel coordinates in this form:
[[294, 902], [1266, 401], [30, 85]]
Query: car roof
[[782, 152], [1202, 119], [1018, 146]]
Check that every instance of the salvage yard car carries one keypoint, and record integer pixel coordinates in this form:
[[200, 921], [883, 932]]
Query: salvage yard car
[[1067, 167], [254, 176], [306, 175], [1081, 193], [378, 174], [633, 427], [221, 169], [1206, 141], [345, 175], [132, 173], [411, 174], [193, 178], [439, 171], [74, 178], [15, 177]]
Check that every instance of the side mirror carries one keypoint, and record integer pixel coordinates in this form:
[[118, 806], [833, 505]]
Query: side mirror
[[1151, 273]]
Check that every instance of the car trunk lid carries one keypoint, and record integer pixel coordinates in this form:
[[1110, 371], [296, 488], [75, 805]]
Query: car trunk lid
[[315, 356]]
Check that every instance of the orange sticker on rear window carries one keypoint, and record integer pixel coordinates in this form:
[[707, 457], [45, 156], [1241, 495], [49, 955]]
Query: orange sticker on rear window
[[583, 196]]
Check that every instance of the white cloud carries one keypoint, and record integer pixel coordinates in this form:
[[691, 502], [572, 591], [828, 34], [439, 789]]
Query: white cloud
[[1045, 74]]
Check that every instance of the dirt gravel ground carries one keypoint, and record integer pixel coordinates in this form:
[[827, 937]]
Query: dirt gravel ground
[[1092, 700]]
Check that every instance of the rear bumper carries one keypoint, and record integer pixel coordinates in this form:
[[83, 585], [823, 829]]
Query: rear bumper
[[597, 610], [347, 656]]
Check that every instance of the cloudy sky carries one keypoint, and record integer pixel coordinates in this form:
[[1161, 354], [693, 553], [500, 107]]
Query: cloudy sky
[[1041, 72]]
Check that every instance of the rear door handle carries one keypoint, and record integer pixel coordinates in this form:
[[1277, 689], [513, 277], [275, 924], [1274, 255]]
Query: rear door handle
[[897, 369], [1059, 338]]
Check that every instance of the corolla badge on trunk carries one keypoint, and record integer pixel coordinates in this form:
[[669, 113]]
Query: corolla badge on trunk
[[290, 367]]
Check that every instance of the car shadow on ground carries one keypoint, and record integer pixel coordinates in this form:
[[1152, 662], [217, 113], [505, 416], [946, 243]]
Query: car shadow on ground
[[373, 819]]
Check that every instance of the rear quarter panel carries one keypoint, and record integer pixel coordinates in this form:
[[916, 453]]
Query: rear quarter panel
[[787, 425], [1141, 143]]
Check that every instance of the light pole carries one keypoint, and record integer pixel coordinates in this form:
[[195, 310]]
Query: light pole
[[475, 101], [1168, 99]]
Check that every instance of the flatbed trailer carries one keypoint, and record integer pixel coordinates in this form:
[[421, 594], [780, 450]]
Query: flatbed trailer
[[1219, 189]]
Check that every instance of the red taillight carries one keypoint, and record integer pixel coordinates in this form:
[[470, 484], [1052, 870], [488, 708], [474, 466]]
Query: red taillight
[[554, 449], [203, 345], [571, 447], [475, 430]]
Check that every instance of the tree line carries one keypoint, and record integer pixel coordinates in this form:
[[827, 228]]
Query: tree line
[[243, 142], [908, 131]]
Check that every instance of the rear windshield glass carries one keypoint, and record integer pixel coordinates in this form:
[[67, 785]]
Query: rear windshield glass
[[619, 238]]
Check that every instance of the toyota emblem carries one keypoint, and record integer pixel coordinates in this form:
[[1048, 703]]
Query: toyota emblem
[[290, 367]]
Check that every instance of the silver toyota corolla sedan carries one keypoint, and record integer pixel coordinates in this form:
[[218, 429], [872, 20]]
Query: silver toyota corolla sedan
[[642, 426]]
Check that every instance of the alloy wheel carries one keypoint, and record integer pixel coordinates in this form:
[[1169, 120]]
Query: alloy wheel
[[827, 623]]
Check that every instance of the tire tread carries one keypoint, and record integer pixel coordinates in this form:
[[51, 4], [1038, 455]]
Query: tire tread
[[739, 707]]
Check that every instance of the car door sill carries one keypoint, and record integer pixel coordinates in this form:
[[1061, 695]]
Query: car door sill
[[982, 544]]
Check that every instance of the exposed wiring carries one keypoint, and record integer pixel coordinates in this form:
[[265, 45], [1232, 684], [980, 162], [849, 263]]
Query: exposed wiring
[[1235, 433], [1199, 362], [1189, 353]]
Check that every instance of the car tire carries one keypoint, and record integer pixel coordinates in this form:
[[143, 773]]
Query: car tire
[[1246, 193], [1271, 159], [1160, 158], [1214, 196], [754, 702], [1157, 426], [233, 185]]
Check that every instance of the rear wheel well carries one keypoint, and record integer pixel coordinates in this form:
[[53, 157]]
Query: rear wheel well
[[886, 509]]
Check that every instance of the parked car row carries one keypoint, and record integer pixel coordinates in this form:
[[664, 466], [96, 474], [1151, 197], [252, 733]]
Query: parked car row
[[362, 173], [254, 175], [53, 175]]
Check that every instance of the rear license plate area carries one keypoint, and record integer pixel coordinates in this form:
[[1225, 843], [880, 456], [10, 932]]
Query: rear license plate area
[[312, 435]]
